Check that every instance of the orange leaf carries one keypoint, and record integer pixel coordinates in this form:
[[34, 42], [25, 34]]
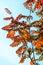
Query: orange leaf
[[17, 38], [21, 49], [38, 5], [15, 44], [24, 31], [38, 44], [34, 1], [26, 36], [10, 34], [8, 26], [23, 59], [31, 63]]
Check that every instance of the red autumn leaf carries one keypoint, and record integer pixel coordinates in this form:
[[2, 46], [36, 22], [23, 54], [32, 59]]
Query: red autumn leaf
[[8, 18], [8, 26], [18, 17], [17, 38], [7, 10], [38, 5], [23, 59], [13, 20], [11, 34], [27, 4], [14, 44]]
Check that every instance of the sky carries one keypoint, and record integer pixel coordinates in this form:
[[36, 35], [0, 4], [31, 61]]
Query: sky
[[7, 53]]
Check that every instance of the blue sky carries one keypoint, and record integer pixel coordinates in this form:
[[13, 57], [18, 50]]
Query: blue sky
[[7, 53]]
